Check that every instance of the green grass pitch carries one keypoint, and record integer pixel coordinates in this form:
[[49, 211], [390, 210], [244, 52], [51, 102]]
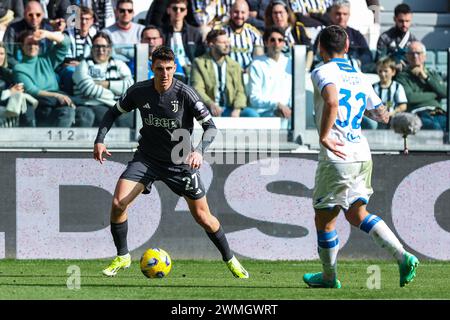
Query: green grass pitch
[[206, 280]]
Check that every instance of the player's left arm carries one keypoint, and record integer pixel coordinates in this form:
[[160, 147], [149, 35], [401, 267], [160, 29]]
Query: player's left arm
[[375, 109], [202, 115], [379, 114]]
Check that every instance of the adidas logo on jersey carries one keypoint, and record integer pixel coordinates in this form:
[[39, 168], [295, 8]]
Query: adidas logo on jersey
[[146, 106]]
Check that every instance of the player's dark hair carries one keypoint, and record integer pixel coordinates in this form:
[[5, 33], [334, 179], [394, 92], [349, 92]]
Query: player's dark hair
[[333, 39], [214, 34], [163, 53], [402, 8], [268, 32]]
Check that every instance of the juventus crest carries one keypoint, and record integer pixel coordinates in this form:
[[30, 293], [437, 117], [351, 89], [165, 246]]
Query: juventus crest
[[174, 105]]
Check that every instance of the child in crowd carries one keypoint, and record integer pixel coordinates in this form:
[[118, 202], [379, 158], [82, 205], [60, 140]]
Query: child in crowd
[[390, 91]]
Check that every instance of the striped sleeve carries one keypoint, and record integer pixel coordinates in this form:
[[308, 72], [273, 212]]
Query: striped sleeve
[[196, 105], [202, 115]]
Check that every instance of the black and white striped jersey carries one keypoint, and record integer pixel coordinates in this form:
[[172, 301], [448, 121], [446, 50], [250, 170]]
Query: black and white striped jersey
[[243, 43]]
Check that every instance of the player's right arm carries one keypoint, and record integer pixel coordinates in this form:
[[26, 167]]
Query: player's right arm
[[125, 104], [330, 110], [99, 146]]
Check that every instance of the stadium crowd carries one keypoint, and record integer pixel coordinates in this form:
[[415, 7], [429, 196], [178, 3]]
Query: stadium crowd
[[64, 63]]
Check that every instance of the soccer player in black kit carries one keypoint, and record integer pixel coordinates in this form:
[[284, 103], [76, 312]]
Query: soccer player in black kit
[[166, 105]]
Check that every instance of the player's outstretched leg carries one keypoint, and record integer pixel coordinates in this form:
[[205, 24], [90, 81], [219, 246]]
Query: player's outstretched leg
[[385, 238], [328, 247], [126, 192], [200, 211]]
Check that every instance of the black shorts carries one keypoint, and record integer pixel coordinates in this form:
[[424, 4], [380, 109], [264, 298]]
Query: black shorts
[[181, 179]]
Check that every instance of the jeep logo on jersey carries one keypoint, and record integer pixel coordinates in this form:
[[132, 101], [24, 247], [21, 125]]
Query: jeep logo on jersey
[[161, 122], [174, 105]]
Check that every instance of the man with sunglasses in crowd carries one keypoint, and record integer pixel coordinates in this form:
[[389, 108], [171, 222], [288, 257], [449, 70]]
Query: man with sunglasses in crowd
[[33, 20], [124, 33], [185, 40], [270, 83]]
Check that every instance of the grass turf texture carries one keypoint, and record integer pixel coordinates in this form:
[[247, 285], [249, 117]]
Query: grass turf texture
[[207, 280]]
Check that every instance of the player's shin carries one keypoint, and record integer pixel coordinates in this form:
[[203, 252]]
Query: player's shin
[[119, 233], [328, 247], [220, 241], [382, 235]]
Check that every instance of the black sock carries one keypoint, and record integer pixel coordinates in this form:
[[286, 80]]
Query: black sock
[[119, 232], [220, 241]]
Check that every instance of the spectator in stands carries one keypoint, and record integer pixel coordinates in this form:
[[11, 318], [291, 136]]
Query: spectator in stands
[[208, 14], [393, 42], [390, 91], [55, 9], [246, 40], [33, 20], [424, 88], [6, 17], [312, 13], [218, 79], [152, 35], [256, 13], [100, 81], [358, 53], [16, 6], [280, 15], [157, 13], [55, 13], [185, 40], [124, 33], [80, 47], [270, 84], [36, 72], [104, 11], [16, 107]]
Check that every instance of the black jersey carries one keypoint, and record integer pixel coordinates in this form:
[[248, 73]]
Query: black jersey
[[164, 113]]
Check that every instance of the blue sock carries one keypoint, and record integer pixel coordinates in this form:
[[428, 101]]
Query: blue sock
[[328, 246]]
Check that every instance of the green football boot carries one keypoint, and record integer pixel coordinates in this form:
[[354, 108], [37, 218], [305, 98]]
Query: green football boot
[[120, 262], [407, 268], [315, 280], [237, 269]]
